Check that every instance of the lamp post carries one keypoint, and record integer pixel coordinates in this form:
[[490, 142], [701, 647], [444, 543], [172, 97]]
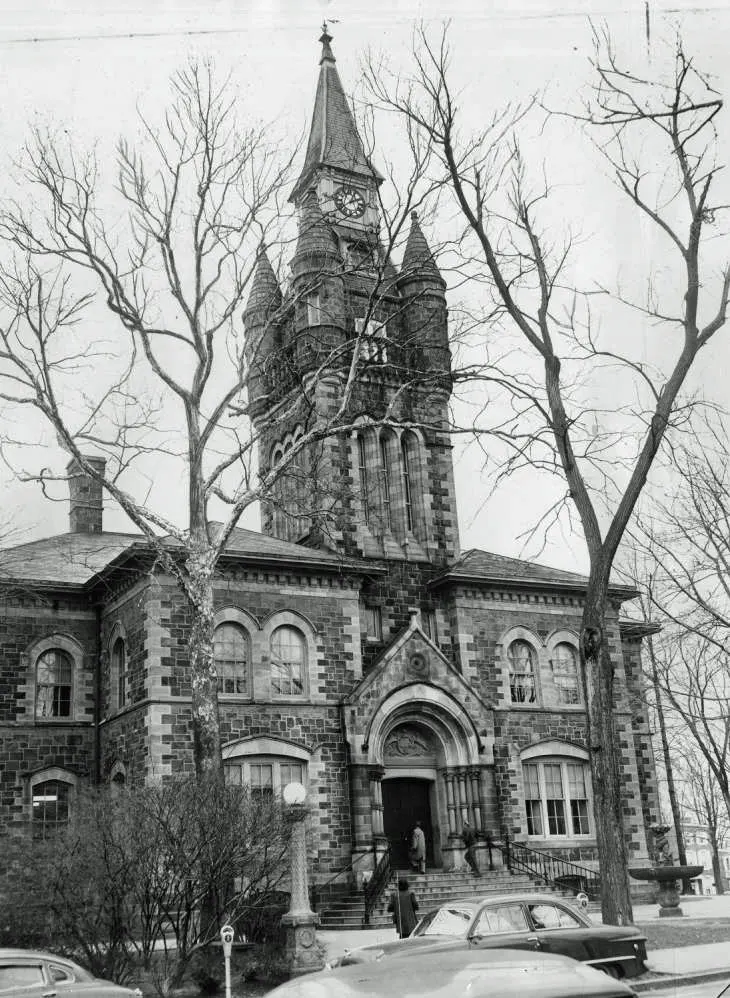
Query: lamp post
[[300, 921]]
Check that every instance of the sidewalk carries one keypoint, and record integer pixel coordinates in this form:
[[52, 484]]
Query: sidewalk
[[678, 966]]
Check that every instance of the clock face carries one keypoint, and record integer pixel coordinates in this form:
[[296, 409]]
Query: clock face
[[350, 202]]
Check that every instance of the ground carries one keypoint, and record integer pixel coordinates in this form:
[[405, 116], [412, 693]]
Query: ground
[[688, 932]]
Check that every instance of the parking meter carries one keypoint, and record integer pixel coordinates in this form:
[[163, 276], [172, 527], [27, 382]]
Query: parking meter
[[227, 933]]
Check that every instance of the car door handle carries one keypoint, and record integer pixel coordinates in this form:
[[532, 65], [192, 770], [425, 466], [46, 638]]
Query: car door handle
[[535, 940], [49, 994]]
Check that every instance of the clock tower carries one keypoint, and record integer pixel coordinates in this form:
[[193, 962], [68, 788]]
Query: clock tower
[[383, 487], [336, 164]]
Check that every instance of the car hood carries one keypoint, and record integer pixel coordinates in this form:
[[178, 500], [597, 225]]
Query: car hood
[[402, 947], [460, 974]]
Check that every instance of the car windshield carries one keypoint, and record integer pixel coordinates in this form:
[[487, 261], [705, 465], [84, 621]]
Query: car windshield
[[447, 921]]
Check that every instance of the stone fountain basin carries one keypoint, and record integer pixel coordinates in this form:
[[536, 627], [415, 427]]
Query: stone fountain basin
[[662, 873]]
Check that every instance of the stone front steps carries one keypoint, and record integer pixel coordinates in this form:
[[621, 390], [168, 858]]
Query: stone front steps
[[431, 889]]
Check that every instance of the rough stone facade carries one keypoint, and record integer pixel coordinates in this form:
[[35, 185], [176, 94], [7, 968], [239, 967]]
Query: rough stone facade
[[358, 649]]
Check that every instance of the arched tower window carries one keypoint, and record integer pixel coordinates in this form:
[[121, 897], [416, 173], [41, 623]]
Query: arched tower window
[[120, 672], [362, 464], [231, 657], [405, 455], [386, 463], [288, 661], [521, 657], [54, 684]]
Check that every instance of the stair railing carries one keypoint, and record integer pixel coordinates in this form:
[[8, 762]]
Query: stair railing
[[550, 870], [377, 884], [316, 890]]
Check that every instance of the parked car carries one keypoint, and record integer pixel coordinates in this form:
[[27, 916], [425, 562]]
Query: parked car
[[28, 974], [496, 973], [518, 921]]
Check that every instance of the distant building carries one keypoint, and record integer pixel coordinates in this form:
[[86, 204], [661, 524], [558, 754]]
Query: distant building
[[358, 649], [699, 852]]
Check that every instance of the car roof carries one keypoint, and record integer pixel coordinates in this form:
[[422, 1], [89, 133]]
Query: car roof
[[10, 953], [498, 973], [515, 898]]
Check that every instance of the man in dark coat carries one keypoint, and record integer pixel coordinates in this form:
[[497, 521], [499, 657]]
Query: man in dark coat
[[404, 906], [470, 837]]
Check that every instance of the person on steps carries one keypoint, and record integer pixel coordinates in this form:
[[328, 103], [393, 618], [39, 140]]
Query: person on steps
[[404, 906], [470, 855], [417, 852]]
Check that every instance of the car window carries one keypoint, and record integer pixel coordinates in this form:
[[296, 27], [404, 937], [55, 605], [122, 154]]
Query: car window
[[553, 916], [501, 918], [23, 975], [60, 975], [447, 921]]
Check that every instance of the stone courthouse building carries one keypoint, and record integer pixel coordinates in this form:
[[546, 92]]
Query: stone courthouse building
[[359, 649]]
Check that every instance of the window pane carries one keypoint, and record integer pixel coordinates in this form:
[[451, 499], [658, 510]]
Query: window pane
[[373, 622], [287, 661], [230, 654], [504, 918], [579, 814], [54, 672], [291, 772], [50, 807], [556, 817], [534, 817], [521, 672], [262, 779], [20, 976], [565, 673]]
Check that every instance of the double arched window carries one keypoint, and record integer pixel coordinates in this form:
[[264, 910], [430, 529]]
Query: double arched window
[[232, 657], [566, 675]]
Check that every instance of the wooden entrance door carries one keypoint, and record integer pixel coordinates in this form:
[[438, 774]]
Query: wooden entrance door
[[405, 802]]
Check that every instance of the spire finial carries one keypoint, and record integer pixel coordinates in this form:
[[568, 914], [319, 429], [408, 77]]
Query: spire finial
[[325, 38]]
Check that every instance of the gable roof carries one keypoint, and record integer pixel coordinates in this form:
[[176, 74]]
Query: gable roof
[[77, 559], [477, 566]]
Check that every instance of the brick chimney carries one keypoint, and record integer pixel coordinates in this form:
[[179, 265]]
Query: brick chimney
[[85, 493]]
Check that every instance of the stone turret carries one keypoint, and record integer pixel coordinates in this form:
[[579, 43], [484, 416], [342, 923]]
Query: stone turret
[[425, 335], [318, 289], [262, 330], [85, 493]]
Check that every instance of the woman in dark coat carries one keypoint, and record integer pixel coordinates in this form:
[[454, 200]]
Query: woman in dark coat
[[404, 906]]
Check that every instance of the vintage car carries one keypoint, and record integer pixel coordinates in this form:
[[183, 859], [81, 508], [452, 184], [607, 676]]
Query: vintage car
[[496, 973], [537, 922], [29, 974]]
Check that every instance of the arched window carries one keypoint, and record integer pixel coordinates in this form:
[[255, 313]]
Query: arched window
[[50, 807], [120, 672], [54, 684], [565, 673], [288, 660], [362, 464], [521, 657], [387, 471], [405, 453], [557, 797], [231, 656]]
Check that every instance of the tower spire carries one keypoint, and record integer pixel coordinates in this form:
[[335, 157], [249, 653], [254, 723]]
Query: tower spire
[[333, 138]]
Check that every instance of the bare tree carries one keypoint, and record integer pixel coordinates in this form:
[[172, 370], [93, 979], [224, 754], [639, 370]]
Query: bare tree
[[170, 257], [602, 456], [705, 806]]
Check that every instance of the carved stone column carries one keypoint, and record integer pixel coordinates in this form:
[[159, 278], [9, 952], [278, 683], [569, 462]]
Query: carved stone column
[[450, 802], [375, 777], [474, 777], [300, 921]]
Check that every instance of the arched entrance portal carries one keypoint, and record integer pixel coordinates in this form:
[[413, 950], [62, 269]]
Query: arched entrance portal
[[406, 801]]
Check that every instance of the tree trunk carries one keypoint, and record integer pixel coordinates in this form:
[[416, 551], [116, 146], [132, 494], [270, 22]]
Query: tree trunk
[[716, 865], [671, 788], [604, 749], [203, 679]]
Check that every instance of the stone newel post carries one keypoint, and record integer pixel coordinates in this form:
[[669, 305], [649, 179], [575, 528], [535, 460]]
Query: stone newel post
[[300, 921]]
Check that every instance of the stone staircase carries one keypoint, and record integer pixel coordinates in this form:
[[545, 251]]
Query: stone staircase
[[431, 889]]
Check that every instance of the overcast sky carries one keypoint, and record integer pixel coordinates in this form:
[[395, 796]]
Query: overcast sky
[[86, 66]]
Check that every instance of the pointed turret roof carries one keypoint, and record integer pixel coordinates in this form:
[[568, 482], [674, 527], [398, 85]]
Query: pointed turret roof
[[333, 137], [315, 235], [265, 290], [418, 258]]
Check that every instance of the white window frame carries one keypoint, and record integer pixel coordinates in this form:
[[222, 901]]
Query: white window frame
[[513, 675], [563, 763], [238, 618], [52, 775], [239, 757]]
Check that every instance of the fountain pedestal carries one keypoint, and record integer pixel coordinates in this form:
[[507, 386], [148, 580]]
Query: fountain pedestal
[[667, 880]]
